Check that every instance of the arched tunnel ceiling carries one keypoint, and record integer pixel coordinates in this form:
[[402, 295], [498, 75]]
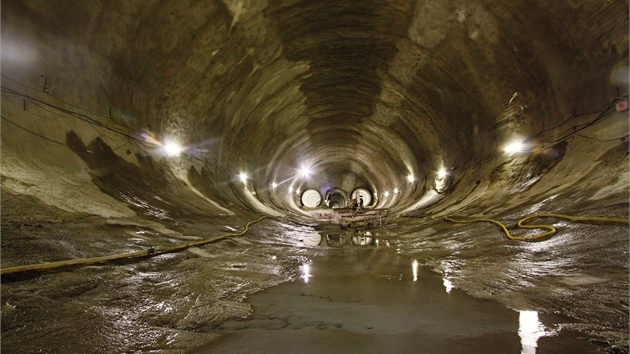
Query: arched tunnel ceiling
[[365, 92], [413, 100]]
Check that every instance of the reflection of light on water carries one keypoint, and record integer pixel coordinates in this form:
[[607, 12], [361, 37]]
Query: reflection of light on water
[[306, 269], [362, 240], [447, 284], [313, 239], [447, 268], [415, 270], [530, 329]]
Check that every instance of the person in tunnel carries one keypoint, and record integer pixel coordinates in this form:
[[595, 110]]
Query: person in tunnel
[[354, 203], [360, 206]]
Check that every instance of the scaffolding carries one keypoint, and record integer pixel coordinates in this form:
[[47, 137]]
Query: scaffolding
[[367, 219]]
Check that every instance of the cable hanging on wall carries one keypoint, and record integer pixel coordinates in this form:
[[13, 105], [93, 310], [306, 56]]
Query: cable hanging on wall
[[131, 139]]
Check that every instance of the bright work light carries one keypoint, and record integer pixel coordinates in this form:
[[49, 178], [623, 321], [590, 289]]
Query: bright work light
[[172, 149]]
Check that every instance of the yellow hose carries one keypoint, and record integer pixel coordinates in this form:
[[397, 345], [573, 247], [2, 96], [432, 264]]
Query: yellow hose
[[148, 252], [552, 230]]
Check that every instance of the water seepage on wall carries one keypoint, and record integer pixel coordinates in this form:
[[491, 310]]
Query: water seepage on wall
[[133, 125]]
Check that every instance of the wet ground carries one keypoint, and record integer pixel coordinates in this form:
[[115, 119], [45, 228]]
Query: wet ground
[[166, 303], [374, 301], [296, 287], [474, 290]]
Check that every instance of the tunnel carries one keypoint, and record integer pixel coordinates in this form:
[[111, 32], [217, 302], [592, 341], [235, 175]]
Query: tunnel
[[217, 146]]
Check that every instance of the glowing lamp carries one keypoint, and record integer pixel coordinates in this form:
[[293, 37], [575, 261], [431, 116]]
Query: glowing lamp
[[305, 171], [172, 149], [513, 147]]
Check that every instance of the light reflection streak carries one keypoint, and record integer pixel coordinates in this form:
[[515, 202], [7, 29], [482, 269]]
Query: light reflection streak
[[415, 269], [306, 269], [530, 329], [447, 284]]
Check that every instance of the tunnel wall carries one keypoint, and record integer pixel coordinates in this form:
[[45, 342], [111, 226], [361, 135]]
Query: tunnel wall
[[264, 87]]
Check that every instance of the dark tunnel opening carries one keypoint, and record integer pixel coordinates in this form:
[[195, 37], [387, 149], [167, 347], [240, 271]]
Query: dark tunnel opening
[[337, 199]]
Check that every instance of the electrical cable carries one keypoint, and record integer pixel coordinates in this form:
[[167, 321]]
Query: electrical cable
[[36, 134], [608, 111], [136, 142], [77, 115], [604, 113], [571, 131], [58, 142], [150, 252], [70, 104], [575, 115], [551, 230], [90, 123], [53, 96], [603, 140]]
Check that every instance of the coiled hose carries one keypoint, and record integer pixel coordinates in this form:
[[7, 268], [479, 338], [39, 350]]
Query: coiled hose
[[148, 252], [552, 230]]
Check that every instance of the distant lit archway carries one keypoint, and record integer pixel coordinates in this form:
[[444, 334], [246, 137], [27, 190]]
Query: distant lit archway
[[365, 193], [311, 198]]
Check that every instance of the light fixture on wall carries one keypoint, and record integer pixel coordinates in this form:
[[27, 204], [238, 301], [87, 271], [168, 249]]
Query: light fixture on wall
[[514, 147], [305, 171], [441, 180], [172, 149]]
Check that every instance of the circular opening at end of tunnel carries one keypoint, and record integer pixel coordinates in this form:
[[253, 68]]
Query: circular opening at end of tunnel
[[365, 193], [336, 199], [311, 198]]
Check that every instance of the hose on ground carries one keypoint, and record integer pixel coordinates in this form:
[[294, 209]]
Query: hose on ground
[[148, 252], [551, 230]]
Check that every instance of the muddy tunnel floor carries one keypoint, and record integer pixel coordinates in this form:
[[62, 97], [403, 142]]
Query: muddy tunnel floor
[[225, 143], [374, 301], [420, 284]]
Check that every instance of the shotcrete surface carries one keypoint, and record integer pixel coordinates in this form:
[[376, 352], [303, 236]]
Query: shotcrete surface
[[130, 126]]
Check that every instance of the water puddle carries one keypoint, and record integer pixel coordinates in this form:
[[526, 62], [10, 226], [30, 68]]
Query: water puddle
[[369, 300]]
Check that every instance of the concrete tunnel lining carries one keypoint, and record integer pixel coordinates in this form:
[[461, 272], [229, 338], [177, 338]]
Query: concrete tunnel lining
[[379, 95]]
